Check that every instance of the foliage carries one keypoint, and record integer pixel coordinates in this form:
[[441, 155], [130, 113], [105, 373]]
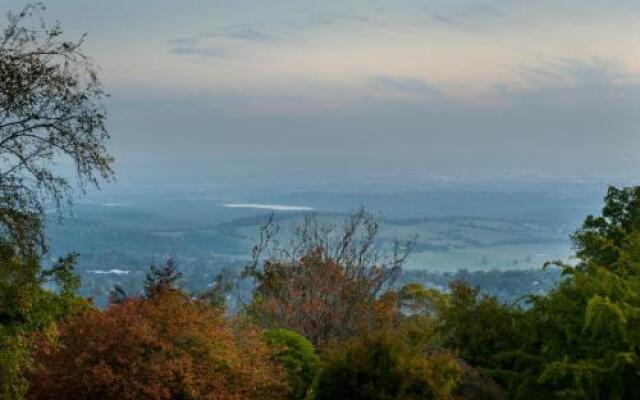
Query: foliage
[[313, 297], [579, 341], [584, 332], [27, 308], [427, 322], [602, 239], [508, 286], [322, 288], [583, 336], [117, 295], [415, 299], [164, 347], [51, 113], [50, 110], [216, 295], [383, 365], [477, 326], [474, 385], [161, 279], [299, 358]]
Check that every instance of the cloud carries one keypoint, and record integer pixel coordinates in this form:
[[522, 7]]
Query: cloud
[[564, 73], [243, 33], [402, 84], [341, 19], [595, 71], [444, 19], [213, 52], [564, 111], [185, 41], [233, 37], [467, 16], [221, 43]]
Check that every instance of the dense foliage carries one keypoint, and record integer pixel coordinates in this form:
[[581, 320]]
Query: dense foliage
[[28, 309], [164, 347], [328, 284], [381, 365], [580, 341], [298, 356]]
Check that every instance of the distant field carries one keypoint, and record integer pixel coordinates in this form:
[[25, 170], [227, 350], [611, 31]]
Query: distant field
[[455, 229]]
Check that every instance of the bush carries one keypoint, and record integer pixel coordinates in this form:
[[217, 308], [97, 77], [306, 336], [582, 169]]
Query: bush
[[165, 347], [383, 366], [298, 357]]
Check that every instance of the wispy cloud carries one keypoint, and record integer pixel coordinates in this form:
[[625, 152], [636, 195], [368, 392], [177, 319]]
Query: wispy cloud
[[337, 20], [222, 42], [247, 33], [444, 19], [467, 16], [198, 51], [186, 41], [231, 38], [562, 72], [404, 84]]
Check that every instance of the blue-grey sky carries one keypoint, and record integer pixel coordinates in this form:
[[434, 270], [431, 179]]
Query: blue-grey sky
[[345, 82]]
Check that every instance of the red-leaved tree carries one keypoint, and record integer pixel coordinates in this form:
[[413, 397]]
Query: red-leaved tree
[[165, 347], [325, 284]]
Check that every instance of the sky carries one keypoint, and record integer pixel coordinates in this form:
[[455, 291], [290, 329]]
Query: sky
[[342, 85]]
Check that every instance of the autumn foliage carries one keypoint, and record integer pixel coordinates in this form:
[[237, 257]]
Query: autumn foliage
[[331, 283], [164, 347], [314, 297]]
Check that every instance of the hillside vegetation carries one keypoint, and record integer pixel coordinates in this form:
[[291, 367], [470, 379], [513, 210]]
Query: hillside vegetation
[[327, 320], [322, 313]]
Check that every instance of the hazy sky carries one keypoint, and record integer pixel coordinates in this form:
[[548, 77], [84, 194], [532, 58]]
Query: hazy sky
[[344, 83]]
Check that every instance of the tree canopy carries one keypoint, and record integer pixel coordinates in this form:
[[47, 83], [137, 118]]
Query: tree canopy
[[165, 347], [325, 283], [580, 340], [51, 117]]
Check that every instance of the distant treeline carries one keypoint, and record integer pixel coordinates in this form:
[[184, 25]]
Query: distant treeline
[[507, 286]]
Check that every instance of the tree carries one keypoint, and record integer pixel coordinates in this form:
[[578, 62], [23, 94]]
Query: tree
[[164, 347], [434, 320], [580, 340], [299, 358], [477, 326], [381, 365], [117, 295], [474, 385], [322, 286], [51, 118], [217, 293], [162, 279], [602, 238], [51, 113], [27, 309], [313, 297], [415, 299], [583, 333]]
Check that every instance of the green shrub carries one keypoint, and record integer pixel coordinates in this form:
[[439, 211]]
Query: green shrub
[[383, 366], [299, 358]]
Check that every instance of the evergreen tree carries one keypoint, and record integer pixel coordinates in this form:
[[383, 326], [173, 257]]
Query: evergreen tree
[[162, 279]]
